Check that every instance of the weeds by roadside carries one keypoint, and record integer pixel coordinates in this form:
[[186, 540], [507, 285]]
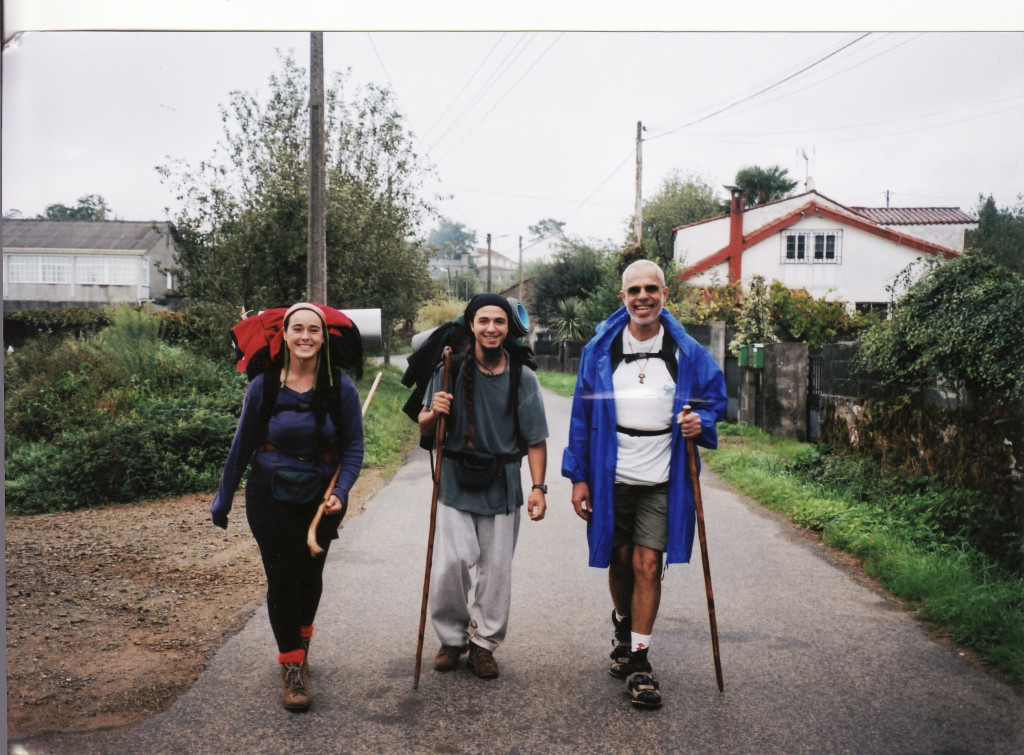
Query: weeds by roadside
[[944, 551]]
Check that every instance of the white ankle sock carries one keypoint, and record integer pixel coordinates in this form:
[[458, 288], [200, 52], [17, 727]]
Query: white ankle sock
[[619, 617], [640, 641]]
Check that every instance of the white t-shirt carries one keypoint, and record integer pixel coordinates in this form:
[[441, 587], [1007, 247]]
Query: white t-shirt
[[647, 405]]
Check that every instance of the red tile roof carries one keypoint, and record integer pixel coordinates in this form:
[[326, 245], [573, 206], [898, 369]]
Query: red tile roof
[[915, 215]]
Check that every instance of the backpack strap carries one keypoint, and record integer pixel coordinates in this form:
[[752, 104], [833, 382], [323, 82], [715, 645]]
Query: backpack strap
[[515, 378], [667, 354]]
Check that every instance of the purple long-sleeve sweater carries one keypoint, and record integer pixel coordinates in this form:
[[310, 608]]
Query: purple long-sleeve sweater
[[292, 434]]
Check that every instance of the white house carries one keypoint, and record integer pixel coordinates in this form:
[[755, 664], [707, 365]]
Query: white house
[[56, 263], [811, 242]]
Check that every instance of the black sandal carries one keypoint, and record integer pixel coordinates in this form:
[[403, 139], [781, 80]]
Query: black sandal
[[643, 690]]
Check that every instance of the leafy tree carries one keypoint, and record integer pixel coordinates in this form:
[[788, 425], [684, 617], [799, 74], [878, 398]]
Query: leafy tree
[[761, 185], [1000, 233], [959, 323], [548, 228], [90, 207], [681, 200], [242, 231], [578, 270], [452, 239]]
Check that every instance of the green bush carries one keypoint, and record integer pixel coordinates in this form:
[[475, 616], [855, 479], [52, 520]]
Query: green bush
[[112, 417]]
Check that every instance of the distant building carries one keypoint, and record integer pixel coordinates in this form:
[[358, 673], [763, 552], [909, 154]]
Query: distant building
[[49, 264], [503, 269], [811, 242]]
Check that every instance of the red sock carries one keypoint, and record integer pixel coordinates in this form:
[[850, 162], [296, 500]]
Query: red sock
[[306, 633], [295, 656]]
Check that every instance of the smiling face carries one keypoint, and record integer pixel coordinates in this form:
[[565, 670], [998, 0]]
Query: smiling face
[[644, 293], [490, 327], [304, 334]]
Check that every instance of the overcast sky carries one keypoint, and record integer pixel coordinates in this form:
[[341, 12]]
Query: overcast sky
[[529, 125]]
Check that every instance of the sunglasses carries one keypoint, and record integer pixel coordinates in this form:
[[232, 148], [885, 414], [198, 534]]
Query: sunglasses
[[650, 288]]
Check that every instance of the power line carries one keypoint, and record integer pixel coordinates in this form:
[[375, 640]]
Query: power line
[[872, 123], [763, 90], [465, 86], [502, 98], [496, 74], [813, 84]]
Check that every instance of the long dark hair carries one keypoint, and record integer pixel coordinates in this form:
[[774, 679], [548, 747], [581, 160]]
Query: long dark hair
[[325, 383]]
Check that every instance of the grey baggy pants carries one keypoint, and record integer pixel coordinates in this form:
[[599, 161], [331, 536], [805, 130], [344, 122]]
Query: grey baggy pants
[[472, 552]]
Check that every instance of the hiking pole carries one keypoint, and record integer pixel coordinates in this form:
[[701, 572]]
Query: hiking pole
[[439, 444], [314, 547], [691, 452]]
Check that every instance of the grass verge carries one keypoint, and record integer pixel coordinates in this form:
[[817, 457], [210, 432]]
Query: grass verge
[[908, 534], [388, 431], [560, 383]]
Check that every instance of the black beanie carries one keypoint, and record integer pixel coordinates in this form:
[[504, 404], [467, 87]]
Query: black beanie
[[486, 300]]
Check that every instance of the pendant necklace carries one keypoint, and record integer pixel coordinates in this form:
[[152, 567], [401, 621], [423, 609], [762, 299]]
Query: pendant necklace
[[643, 366]]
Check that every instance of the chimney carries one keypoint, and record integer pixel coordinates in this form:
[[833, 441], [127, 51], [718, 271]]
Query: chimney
[[735, 234]]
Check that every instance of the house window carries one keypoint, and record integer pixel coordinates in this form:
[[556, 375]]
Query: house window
[[826, 246], [39, 268], [108, 271], [796, 247], [819, 247]]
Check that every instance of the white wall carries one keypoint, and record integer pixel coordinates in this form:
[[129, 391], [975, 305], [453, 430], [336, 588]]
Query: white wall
[[867, 264]]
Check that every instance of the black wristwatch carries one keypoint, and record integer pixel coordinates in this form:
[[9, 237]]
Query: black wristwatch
[[542, 488]]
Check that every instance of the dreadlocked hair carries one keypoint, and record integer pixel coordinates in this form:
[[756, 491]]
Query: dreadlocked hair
[[467, 375]]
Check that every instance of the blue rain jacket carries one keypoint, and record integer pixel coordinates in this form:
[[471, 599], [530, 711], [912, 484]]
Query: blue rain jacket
[[591, 453]]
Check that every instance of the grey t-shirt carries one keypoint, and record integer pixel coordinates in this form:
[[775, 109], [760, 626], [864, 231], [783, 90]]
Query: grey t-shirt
[[493, 433]]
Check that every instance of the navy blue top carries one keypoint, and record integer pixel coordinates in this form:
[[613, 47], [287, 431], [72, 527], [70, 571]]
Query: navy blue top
[[293, 434]]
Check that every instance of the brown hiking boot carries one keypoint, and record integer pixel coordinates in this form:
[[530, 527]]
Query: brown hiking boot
[[447, 658], [481, 660], [294, 687]]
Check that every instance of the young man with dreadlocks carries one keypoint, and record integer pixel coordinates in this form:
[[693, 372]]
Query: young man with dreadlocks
[[496, 415]]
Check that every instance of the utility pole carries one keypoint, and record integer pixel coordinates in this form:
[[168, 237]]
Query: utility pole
[[488, 263], [520, 267], [316, 263], [638, 211]]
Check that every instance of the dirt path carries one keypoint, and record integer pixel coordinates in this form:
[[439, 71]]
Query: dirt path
[[113, 612]]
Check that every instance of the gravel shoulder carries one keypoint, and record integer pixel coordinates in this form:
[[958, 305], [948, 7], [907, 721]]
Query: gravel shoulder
[[113, 612]]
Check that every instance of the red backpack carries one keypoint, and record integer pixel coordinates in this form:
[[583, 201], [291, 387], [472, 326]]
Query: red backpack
[[257, 341]]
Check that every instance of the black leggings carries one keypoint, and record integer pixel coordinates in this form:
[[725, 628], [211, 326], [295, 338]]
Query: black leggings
[[294, 576]]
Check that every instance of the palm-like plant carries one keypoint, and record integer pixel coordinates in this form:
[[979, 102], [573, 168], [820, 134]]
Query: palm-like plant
[[761, 185], [568, 320]]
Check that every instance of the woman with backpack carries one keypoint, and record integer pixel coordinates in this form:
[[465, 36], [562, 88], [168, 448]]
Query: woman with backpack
[[300, 422]]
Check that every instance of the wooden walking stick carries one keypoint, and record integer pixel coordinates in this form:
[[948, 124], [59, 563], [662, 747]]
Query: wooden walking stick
[[311, 543], [691, 452], [439, 444]]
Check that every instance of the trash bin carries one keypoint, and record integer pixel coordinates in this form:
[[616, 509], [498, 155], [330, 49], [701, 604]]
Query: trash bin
[[743, 355]]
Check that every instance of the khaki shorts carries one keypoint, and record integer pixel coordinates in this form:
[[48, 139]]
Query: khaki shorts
[[641, 515]]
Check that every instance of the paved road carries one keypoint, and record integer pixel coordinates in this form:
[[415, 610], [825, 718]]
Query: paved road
[[814, 661]]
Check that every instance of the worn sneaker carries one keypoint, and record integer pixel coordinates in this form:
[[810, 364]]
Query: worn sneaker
[[294, 687], [621, 639], [643, 690], [481, 660], [447, 658], [631, 664]]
